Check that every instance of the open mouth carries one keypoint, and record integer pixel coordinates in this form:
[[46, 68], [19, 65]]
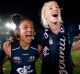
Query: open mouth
[[28, 35], [55, 15]]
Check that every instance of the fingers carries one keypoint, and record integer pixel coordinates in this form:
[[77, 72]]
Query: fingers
[[7, 48]]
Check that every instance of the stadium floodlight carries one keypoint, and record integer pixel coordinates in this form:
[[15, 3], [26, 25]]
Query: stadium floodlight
[[10, 25]]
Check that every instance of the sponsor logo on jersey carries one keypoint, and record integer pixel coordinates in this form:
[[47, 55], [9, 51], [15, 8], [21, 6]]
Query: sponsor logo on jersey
[[31, 58], [25, 70], [62, 65], [50, 41]]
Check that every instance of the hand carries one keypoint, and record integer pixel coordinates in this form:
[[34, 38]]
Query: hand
[[7, 47]]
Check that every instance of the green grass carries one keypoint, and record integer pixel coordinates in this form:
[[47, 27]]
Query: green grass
[[75, 56], [38, 66], [7, 67]]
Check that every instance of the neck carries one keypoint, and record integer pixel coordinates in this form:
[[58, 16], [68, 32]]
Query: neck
[[24, 44], [55, 27]]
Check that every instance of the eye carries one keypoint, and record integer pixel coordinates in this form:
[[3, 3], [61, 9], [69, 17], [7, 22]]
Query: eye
[[50, 8], [31, 27], [57, 7], [24, 28]]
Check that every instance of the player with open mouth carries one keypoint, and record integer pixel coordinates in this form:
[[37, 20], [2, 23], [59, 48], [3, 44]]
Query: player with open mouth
[[57, 40], [23, 52]]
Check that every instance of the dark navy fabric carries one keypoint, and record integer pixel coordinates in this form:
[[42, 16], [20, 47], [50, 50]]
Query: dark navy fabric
[[50, 61], [72, 30], [1, 58], [23, 61]]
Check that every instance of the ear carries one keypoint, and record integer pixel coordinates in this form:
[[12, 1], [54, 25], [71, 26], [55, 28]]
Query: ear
[[34, 33]]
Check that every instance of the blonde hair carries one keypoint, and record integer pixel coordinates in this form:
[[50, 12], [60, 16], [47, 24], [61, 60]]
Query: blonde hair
[[43, 20]]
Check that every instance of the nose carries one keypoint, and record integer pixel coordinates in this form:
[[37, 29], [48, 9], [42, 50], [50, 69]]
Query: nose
[[54, 9], [29, 29]]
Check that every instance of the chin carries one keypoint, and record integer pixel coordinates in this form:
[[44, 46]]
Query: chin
[[28, 41], [54, 20]]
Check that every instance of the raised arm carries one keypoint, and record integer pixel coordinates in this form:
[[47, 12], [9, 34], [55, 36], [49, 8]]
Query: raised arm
[[76, 46]]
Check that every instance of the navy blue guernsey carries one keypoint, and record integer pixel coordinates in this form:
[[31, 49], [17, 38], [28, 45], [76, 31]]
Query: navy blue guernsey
[[57, 50], [23, 61]]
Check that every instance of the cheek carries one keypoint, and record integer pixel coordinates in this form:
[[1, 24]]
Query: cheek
[[59, 12], [22, 33], [47, 14], [33, 31], [50, 26]]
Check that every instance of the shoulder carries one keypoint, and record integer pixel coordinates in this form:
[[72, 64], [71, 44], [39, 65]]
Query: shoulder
[[41, 36]]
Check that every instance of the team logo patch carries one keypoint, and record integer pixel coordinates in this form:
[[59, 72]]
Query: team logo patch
[[50, 41], [17, 59], [45, 51], [25, 70]]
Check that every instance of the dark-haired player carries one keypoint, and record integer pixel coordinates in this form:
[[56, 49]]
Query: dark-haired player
[[24, 52]]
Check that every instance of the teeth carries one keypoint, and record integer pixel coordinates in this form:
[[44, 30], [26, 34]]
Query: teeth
[[28, 34], [54, 13]]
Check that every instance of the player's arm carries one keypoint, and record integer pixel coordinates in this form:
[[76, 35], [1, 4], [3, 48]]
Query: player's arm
[[40, 50], [5, 59], [76, 46]]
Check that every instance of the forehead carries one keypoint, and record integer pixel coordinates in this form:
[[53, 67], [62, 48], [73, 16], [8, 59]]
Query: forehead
[[26, 23], [52, 3]]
